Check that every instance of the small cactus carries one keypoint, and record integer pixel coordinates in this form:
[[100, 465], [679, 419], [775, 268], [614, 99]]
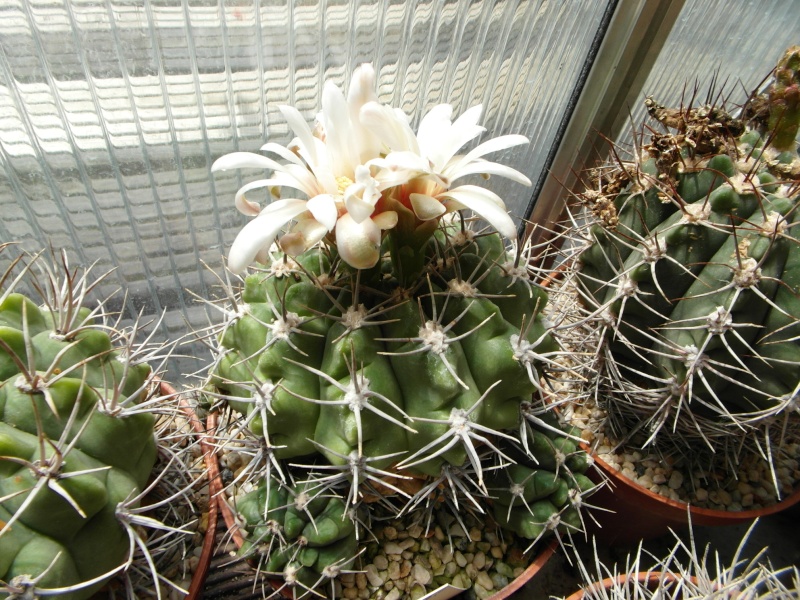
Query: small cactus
[[686, 572], [689, 271], [78, 416]]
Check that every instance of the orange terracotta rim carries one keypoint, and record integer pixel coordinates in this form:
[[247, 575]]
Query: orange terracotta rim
[[212, 473], [648, 578], [700, 516], [537, 565], [544, 555]]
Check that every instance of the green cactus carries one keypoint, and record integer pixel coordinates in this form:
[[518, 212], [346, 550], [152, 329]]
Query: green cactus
[[298, 533], [385, 348], [373, 390], [691, 273], [77, 448]]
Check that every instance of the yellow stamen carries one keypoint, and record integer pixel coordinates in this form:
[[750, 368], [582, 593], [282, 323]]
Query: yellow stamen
[[343, 182]]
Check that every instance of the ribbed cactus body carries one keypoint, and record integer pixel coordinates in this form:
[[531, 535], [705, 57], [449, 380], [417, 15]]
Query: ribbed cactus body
[[311, 348], [66, 459], [692, 274], [362, 389], [304, 533]]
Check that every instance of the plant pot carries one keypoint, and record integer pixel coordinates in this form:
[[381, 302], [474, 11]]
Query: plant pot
[[650, 580], [640, 514], [235, 535]]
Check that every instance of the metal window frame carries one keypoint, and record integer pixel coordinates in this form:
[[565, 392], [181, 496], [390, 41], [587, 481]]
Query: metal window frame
[[612, 78]]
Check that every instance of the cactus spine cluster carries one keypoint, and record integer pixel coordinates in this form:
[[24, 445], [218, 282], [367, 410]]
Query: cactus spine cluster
[[77, 434], [385, 373], [690, 270]]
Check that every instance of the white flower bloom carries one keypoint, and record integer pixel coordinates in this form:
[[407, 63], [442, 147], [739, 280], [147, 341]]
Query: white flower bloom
[[360, 153], [327, 168], [430, 160]]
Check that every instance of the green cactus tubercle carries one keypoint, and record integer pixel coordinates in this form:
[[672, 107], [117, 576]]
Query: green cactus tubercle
[[66, 460]]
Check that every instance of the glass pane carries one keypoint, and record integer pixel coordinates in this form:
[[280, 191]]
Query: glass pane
[[719, 45], [112, 112]]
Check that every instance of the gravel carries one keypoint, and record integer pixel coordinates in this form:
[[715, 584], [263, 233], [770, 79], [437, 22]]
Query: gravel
[[751, 486]]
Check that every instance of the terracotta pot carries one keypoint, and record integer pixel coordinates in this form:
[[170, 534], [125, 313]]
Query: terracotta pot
[[212, 473], [651, 580], [641, 514], [538, 563]]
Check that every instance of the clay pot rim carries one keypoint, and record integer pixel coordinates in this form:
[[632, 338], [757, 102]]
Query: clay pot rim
[[641, 577], [696, 511], [541, 559]]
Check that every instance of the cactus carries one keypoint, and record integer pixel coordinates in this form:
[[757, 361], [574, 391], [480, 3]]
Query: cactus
[[689, 269], [77, 435], [386, 348]]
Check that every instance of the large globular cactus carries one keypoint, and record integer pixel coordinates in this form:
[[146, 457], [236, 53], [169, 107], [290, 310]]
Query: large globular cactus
[[78, 429], [386, 347], [690, 269]]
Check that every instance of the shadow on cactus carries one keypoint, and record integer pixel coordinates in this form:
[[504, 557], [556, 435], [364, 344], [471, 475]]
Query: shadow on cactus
[[381, 355], [92, 483], [688, 268]]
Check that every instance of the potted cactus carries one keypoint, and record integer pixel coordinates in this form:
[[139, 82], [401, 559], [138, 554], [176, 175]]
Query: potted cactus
[[94, 468], [377, 363], [682, 284]]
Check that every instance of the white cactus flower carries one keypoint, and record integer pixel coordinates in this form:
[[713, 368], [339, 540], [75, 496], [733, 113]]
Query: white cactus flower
[[360, 152], [432, 164]]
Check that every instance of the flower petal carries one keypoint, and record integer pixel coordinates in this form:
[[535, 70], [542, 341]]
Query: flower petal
[[434, 128], [282, 151], [357, 207], [465, 128], [301, 130], [502, 142], [358, 243], [390, 125], [485, 203], [305, 233], [335, 117], [485, 167], [426, 207], [362, 91], [362, 87], [244, 160], [249, 207], [323, 207], [385, 220], [259, 233], [360, 197]]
